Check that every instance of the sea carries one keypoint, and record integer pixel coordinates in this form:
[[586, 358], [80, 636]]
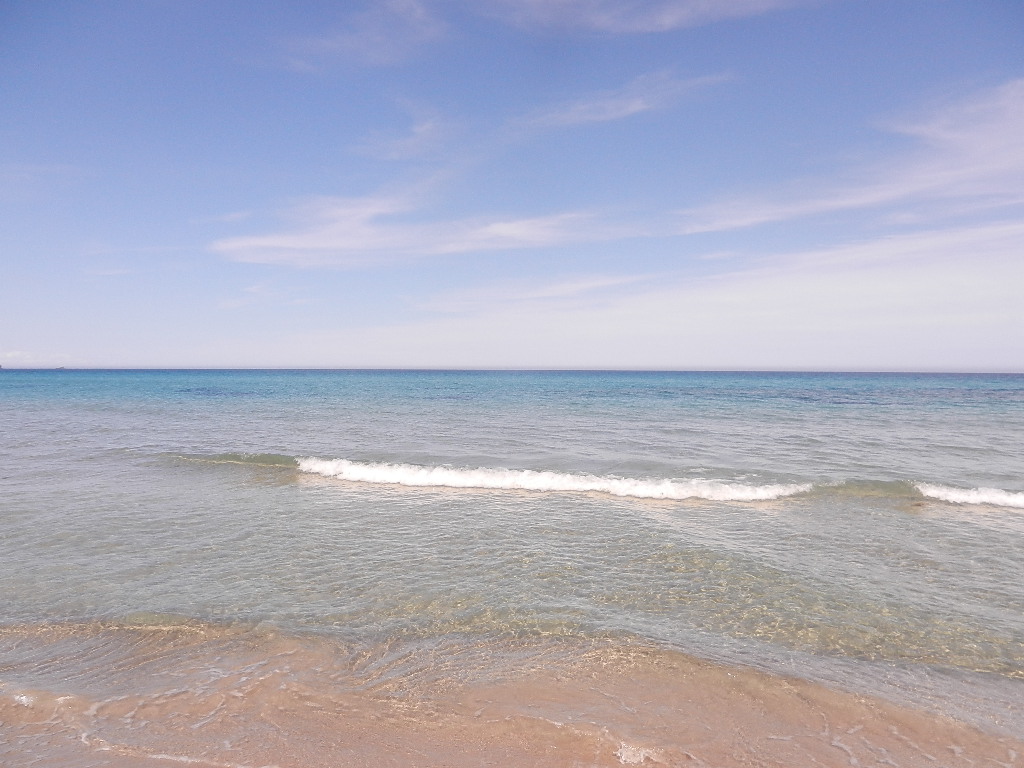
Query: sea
[[242, 568]]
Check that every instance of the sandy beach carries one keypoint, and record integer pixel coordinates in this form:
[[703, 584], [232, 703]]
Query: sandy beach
[[204, 695]]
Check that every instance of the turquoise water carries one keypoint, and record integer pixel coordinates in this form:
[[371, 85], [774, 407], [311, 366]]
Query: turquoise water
[[861, 530]]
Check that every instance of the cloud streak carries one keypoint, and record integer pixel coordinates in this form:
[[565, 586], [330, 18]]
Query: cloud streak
[[427, 133], [971, 152], [629, 16], [384, 34], [643, 94], [571, 290], [388, 32], [360, 232]]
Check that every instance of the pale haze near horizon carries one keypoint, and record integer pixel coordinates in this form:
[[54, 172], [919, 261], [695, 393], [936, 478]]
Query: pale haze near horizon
[[769, 184]]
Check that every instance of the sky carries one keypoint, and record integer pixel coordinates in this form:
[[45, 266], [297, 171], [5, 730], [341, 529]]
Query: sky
[[669, 184]]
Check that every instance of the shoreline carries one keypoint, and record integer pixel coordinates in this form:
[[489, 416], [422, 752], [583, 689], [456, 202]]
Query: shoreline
[[206, 694]]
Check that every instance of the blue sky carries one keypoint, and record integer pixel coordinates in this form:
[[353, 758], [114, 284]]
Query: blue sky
[[751, 184]]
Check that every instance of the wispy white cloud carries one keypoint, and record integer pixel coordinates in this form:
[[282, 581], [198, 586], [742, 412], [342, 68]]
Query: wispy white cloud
[[326, 231], [971, 152], [642, 94], [430, 130], [426, 134], [969, 155], [576, 289], [374, 229], [357, 232], [901, 303], [385, 33], [505, 233], [627, 16]]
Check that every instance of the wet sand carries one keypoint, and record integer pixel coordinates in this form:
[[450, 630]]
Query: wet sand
[[166, 693]]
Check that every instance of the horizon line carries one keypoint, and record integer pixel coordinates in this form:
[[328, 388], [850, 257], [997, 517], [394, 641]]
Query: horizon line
[[515, 369]]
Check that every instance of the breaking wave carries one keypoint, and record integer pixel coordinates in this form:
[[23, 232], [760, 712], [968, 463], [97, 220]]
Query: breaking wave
[[532, 480], [992, 496]]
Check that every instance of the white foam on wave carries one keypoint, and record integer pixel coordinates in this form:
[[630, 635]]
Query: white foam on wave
[[532, 480], [993, 496]]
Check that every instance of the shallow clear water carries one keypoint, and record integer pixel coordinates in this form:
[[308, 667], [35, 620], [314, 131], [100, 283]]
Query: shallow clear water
[[864, 531]]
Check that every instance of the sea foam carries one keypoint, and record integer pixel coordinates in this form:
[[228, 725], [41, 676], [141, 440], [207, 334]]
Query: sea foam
[[993, 496], [532, 480]]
